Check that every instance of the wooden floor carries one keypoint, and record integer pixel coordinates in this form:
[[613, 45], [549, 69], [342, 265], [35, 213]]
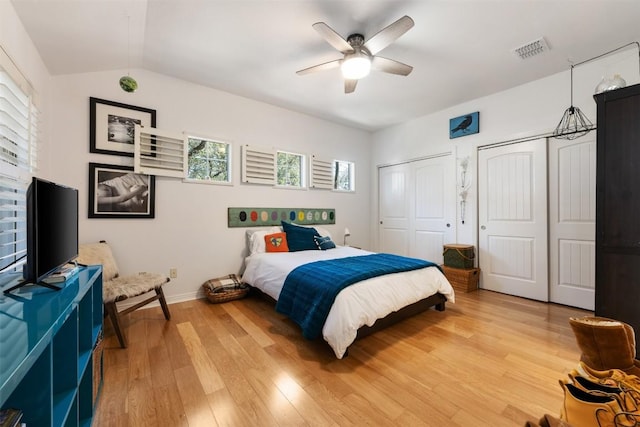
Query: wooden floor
[[488, 360]]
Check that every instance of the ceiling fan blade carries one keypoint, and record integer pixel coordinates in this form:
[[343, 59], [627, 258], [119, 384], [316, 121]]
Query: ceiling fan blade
[[350, 86], [320, 67], [388, 34], [333, 38], [390, 66]]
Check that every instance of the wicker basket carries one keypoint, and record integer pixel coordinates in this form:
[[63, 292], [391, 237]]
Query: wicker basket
[[462, 279], [227, 288]]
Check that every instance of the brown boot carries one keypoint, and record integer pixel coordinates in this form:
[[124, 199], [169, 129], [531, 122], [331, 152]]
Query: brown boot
[[551, 421], [583, 409], [629, 400], [611, 377], [548, 421], [606, 344]]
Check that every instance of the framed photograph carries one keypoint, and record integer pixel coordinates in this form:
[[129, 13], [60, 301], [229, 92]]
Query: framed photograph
[[112, 126], [118, 192], [464, 125]]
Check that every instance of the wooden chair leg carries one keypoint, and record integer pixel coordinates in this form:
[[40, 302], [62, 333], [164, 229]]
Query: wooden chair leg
[[112, 311], [163, 303]]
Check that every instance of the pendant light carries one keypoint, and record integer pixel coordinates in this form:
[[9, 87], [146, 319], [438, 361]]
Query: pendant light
[[574, 123], [128, 83]]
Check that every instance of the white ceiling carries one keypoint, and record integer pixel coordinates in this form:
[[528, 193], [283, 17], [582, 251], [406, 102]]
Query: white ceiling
[[460, 50]]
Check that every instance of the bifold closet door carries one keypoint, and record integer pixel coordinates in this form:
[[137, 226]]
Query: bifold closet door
[[572, 221], [393, 199], [417, 202], [512, 217]]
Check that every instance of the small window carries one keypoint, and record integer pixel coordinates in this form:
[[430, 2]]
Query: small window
[[209, 160], [291, 169], [344, 176]]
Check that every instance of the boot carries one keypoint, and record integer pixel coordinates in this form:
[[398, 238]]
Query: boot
[[628, 400], [606, 344], [611, 377], [587, 410], [551, 421], [548, 421]]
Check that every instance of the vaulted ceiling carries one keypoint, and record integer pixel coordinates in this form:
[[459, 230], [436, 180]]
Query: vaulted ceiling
[[460, 50]]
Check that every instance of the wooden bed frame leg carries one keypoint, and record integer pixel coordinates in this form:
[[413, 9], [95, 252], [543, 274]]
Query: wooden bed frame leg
[[440, 306]]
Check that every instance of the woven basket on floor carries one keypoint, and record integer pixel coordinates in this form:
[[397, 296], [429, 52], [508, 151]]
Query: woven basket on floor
[[227, 288]]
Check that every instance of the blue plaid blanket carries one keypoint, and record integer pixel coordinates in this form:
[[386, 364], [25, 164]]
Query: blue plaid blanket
[[310, 289]]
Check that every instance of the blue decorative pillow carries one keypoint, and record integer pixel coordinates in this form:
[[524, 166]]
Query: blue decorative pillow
[[324, 243], [300, 238]]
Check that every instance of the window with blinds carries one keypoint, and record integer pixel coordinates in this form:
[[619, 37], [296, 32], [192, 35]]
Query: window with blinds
[[18, 143]]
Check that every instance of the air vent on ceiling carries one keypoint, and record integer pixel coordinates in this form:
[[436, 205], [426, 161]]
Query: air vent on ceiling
[[533, 48]]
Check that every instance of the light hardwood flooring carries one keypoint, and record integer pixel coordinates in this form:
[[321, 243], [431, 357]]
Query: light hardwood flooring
[[487, 360]]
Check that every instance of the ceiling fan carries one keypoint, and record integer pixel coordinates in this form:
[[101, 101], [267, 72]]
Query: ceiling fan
[[360, 55]]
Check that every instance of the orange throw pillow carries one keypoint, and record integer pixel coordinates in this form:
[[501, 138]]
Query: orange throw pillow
[[276, 242]]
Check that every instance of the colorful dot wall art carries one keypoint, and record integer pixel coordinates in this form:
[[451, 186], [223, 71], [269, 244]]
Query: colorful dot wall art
[[260, 217]]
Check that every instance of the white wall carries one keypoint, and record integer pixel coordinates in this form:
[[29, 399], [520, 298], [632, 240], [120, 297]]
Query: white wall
[[190, 230], [531, 109]]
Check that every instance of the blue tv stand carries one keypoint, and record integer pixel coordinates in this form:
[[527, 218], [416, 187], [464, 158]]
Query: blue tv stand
[[47, 341]]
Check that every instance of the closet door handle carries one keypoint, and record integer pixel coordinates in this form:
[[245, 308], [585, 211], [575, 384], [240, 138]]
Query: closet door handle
[[483, 227]]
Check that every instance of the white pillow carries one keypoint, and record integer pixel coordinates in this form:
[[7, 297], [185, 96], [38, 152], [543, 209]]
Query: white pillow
[[255, 239]]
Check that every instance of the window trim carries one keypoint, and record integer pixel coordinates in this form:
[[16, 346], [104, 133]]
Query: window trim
[[229, 144], [303, 171], [352, 179]]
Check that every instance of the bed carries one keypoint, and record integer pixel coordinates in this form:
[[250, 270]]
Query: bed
[[359, 309]]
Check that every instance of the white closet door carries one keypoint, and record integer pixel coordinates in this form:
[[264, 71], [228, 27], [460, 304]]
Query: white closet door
[[418, 207], [394, 208], [572, 210], [434, 202], [512, 214]]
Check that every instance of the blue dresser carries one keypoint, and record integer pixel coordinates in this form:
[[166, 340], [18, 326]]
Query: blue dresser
[[47, 342]]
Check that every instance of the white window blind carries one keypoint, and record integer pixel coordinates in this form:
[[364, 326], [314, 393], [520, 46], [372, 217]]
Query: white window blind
[[19, 121], [258, 165], [321, 173], [160, 152]]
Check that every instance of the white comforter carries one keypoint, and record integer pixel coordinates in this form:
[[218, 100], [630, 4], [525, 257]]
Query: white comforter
[[359, 304]]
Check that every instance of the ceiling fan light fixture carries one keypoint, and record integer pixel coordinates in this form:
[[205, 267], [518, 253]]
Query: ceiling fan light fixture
[[359, 56], [356, 66]]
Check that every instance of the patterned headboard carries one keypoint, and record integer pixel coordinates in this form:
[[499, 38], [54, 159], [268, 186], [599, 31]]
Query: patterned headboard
[[260, 217]]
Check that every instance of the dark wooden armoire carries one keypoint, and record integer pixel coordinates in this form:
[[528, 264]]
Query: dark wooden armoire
[[618, 206]]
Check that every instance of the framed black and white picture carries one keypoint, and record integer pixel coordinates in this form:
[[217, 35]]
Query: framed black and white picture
[[117, 192], [112, 126], [467, 124]]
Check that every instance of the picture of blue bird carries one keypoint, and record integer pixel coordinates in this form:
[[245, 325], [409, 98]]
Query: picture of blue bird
[[464, 125]]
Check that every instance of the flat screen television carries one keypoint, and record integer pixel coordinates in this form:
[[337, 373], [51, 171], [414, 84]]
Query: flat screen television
[[52, 228]]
